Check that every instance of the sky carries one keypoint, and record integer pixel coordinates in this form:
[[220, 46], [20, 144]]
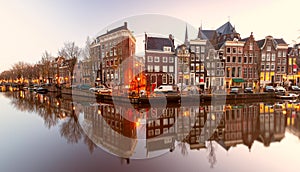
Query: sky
[[29, 28]]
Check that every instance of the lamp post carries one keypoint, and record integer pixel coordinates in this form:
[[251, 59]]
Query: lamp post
[[138, 79]]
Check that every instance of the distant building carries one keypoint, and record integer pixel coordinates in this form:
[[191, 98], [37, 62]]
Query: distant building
[[159, 61], [251, 62], [273, 61], [114, 49]]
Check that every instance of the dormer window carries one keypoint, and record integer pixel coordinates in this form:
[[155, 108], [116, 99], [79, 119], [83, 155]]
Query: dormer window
[[168, 49]]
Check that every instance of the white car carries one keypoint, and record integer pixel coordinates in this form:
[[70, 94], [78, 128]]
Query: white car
[[100, 89], [280, 89]]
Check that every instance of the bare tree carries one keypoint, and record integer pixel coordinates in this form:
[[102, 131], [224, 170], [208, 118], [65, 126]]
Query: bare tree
[[70, 52]]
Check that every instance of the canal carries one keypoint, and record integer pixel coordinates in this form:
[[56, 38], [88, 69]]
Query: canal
[[41, 133]]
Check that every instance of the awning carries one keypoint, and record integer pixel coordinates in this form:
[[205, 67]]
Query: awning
[[238, 80]]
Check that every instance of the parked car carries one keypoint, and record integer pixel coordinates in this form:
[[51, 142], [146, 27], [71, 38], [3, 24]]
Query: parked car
[[84, 87], [248, 90], [166, 89], [234, 90], [269, 89], [295, 88], [280, 89], [103, 89]]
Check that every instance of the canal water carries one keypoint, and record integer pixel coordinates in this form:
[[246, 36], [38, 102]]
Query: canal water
[[41, 133]]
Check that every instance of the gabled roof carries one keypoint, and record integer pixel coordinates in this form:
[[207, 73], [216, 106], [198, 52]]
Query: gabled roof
[[206, 34], [280, 41], [124, 27], [260, 43], [155, 43], [226, 28]]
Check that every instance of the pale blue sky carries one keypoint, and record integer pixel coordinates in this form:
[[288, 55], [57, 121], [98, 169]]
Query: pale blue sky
[[30, 27]]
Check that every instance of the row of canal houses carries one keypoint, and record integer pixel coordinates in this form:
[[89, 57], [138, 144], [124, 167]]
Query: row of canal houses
[[215, 60]]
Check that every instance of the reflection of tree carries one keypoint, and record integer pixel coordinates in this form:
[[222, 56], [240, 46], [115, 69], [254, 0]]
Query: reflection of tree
[[212, 158], [91, 145], [184, 150], [71, 129]]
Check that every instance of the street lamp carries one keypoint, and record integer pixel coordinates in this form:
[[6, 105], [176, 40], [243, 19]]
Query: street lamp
[[138, 79]]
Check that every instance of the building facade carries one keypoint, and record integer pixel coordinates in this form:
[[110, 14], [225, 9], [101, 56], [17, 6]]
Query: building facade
[[159, 61]]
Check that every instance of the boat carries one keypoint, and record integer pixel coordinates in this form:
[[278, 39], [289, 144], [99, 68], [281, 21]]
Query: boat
[[287, 96], [41, 90]]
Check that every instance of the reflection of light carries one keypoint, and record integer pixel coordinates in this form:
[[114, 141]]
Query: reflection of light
[[185, 113], [213, 117], [99, 112], [284, 112], [138, 122], [57, 103], [74, 108]]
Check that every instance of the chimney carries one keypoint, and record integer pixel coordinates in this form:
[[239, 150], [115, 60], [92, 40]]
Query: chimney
[[125, 24]]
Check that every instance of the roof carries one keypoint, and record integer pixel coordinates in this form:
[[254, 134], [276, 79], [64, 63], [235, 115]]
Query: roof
[[206, 34], [260, 43], [226, 28], [280, 41], [155, 43], [124, 27]]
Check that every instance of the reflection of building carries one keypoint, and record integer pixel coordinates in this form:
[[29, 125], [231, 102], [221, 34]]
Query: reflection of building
[[250, 124], [271, 124], [160, 129], [110, 130]]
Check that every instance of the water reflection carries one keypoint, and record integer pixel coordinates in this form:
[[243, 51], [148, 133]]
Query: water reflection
[[149, 132]]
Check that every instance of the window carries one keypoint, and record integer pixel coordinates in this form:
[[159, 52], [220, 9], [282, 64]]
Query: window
[[240, 50], [156, 59], [202, 57], [267, 67], [150, 59], [171, 59], [228, 50], [273, 56], [263, 67], [202, 49], [165, 68], [165, 60], [251, 46], [170, 79], [278, 68], [239, 59], [197, 49], [156, 68], [164, 79], [228, 70], [197, 67], [234, 50], [233, 72], [192, 67], [171, 68], [233, 59], [273, 66], [168, 49], [282, 69], [228, 59], [245, 59], [192, 48], [192, 57], [268, 56], [250, 59], [239, 72], [245, 72], [150, 68], [263, 56], [268, 48], [283, 54], [197, 57], [279, 53]]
